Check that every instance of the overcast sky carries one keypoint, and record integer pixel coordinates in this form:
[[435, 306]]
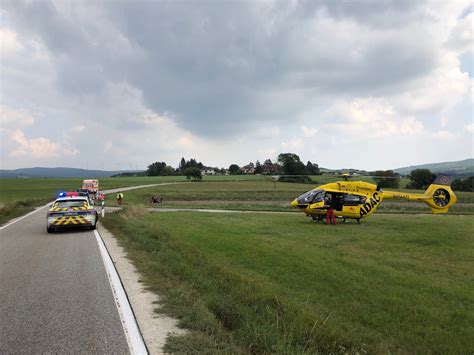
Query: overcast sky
[[121, 84]]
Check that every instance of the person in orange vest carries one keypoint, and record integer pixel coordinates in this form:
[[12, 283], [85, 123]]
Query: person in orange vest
[[330, 218]]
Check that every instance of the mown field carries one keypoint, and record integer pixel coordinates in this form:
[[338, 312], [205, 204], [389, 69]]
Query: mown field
[[18, 196], [278, 283], [263, 195]]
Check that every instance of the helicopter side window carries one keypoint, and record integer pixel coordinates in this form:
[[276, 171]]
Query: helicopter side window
[[353, 200], [319, 197], [311, 196]]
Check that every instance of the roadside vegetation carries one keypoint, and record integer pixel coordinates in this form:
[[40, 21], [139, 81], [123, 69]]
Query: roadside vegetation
[[262, 283]]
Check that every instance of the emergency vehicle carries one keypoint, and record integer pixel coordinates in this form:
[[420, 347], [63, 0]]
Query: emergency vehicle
[[92, 186], [71, 209]]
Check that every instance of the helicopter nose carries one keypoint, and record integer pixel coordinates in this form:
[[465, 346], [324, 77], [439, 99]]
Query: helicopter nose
[[294, 203]]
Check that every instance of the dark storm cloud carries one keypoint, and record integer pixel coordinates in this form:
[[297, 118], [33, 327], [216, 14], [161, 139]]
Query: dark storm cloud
[[216, 66]]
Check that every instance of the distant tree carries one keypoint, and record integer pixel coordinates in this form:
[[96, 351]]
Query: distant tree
[[156, 168], [464, 184], [291, 164], [192, 163], [388, 178], [469, 184], [420, 179], [457, 185], [168, 171], [312, 169], [182, 165], [193, 173], [160, 169], [258, 168], [234, 169]]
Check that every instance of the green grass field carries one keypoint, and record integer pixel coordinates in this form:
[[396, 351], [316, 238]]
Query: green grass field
[[267, 283], [240, 192], [260, 195]]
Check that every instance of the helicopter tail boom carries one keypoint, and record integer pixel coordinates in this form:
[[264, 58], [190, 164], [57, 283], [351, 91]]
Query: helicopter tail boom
[[439, 196]]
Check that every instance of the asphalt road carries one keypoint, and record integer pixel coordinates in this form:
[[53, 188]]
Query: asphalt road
[[55, 296]]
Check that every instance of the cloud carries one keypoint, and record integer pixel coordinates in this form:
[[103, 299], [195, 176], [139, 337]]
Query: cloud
[[472, 90], [185, 141], [272, 57], [9, 41], [370, 117], [469, 128], [444, 135], [438, 92], [37, 147], [16, 146], [461, 37], [308, 132], [10, 118], [78, 129], [225, 81], [294, 145]]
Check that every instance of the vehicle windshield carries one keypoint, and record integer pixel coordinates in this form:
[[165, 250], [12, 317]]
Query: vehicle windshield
[[311, 197], [70, 203]]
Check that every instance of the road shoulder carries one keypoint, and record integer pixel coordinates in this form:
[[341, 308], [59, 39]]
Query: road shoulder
[[155, 328]]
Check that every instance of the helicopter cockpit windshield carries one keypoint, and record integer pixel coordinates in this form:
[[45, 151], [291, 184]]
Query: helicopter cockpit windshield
[[311, 196]]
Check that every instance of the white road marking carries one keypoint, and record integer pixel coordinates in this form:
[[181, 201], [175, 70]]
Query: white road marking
[[130, 327], [26, 215]]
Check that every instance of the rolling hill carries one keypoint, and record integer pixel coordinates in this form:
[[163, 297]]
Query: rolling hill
[[57, 173], [459, 168]]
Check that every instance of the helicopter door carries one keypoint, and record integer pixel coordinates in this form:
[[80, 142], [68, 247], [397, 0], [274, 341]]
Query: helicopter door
[[337, 201]]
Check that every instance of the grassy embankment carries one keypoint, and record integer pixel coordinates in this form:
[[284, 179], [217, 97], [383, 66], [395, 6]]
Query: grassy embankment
[[259, 283]]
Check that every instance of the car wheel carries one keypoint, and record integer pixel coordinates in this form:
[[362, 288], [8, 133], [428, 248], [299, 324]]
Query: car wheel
[[94, 226], [49, 230]]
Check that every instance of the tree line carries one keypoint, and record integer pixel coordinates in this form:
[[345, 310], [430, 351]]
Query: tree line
[[290, 165], [286, 164], [420, 179]]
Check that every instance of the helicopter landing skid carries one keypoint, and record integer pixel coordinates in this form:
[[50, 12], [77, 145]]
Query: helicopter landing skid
[[357, 219]]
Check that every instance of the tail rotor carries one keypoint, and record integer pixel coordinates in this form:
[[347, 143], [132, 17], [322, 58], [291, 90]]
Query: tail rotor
[[441, 197]]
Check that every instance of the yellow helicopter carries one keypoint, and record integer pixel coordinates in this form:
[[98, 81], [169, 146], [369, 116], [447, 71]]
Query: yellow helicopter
[[359, 199]]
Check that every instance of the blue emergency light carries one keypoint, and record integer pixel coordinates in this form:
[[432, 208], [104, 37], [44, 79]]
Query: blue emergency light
[[62, 194]]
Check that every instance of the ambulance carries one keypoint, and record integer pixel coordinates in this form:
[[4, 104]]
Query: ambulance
[[92, 186]]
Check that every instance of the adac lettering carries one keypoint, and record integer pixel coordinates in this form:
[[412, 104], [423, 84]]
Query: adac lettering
[[369, 205]]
